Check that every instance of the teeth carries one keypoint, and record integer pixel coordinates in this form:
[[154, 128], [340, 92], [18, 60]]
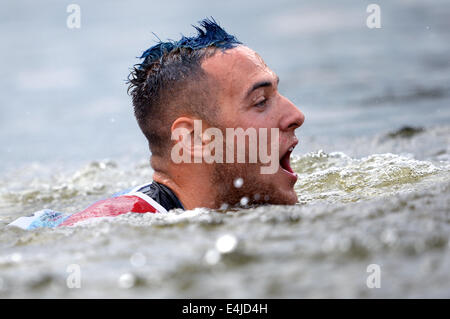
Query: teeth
[[291, 149]]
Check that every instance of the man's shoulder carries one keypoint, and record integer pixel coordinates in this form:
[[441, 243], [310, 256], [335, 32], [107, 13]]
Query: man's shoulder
[[132, 200]]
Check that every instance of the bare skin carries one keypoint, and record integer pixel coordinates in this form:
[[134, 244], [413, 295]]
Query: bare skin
[[248, 97]]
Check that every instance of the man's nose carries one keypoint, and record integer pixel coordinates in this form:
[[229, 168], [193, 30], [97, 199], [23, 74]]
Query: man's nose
[[293, 118]]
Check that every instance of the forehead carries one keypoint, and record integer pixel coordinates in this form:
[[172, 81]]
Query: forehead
[[237, 69]]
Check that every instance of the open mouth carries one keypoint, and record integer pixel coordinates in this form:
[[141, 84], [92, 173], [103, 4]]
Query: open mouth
[[285, 162]]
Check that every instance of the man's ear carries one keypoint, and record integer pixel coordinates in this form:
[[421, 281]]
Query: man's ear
[[187, 134]]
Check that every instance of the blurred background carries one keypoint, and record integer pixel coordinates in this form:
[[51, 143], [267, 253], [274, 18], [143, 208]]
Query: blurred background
[[373, 160], [63, 93]]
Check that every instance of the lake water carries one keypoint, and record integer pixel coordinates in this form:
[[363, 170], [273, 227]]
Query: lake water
[[373, 159]]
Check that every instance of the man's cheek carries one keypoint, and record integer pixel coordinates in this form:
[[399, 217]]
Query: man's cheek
[[274, 158]]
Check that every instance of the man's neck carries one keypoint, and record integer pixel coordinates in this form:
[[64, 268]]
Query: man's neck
[[192, 187]]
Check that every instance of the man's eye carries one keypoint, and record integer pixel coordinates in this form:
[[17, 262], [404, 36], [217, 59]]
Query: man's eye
[[262, 103]]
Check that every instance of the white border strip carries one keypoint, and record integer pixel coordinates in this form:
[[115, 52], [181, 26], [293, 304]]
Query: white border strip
[[135, 189], [149, 200]]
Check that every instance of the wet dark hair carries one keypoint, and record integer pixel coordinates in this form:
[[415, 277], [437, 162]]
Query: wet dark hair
[[170, 82]]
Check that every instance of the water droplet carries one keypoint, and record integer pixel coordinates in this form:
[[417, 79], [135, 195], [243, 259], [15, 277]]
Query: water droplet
[[212, 257], [389, 236], [238, 182], [127, 281], [344, 244], [16, 257], [138, 260], [244, 201], [226, 244], [329, 244], [256, 196]]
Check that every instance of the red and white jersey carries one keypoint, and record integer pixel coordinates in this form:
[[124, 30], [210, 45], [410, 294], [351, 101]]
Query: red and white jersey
[[148, 198]]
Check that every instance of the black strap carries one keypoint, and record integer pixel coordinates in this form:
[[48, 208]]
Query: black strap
[[162, 195]]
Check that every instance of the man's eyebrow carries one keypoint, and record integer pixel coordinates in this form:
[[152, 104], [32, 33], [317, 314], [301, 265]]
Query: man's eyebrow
[[259, 85]]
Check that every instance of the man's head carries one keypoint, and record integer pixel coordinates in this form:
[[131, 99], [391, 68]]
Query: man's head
[[170, 82], [214, 78]]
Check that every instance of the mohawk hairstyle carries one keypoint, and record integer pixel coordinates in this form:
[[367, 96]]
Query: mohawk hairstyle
[[170, 82]]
